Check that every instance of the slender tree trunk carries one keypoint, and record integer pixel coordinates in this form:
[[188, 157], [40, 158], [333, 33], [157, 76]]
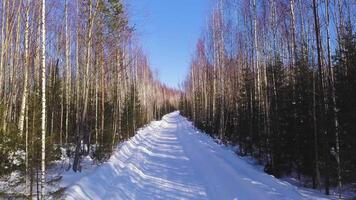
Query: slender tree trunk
[[85, 84], [256, 73], [26, 67], [28, 187], [43, 116], [77, 76], [214, 74], [333, 98], [293, 30], [302, 26], [15, 66], [68, 72], [221, 64], [88, 56], [2, 49], [340, 24], [102, 83], [96, 110], [5, 35], [321, 91], [62, 116], [193, 93], [292, 79], [24, 106], [255, 47]]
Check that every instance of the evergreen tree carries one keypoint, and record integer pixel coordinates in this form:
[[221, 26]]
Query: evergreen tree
[[345, 73]]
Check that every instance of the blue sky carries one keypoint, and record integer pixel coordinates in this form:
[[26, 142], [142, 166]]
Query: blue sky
[[168, 31]]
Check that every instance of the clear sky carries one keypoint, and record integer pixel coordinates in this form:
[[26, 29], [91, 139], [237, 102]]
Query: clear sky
[[168, 30]]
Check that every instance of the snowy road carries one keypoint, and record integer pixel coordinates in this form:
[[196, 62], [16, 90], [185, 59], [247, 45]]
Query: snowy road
[[169, 159]]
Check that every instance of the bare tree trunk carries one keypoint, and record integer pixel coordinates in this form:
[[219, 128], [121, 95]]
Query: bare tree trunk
[[256, 72], [68, 72], [302, 26], [214, 75], [321, 88], [292, 79], [340, 27], [85, 84], [294, 44], [28, 187], [5, 34], [24, 106], [117, 100], [333, 97], [96, 109], [62, 116], [43, 118], [193, 93], [255, 47], [14, 67], [102, 83], [63, 87], [2, 49], [26, 67], [77, 76], [86, 75], [88, 56]]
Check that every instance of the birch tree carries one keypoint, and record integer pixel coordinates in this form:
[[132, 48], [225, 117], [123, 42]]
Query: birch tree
[[43, 97]]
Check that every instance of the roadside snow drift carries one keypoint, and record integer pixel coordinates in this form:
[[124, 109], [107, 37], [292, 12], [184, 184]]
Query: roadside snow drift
[[170, 159]]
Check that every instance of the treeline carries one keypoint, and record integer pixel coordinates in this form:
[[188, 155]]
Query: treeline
[[278, 78], [73, 82]]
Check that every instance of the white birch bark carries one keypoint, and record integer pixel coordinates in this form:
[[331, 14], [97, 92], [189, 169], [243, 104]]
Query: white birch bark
[[68, 72], [43, 88]]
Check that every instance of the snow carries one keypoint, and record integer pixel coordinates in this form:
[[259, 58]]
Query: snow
[[170, 159], [58, 176], [17, 157], [70, 177]]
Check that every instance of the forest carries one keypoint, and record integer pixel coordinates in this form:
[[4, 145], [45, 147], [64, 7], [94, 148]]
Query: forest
[[74, 81], [277, 78]]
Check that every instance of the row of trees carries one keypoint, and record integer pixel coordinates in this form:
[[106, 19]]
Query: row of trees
[[73, 82], [278, 78]]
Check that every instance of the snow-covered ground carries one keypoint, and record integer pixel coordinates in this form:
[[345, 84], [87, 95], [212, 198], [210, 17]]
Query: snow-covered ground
[[170, 159]]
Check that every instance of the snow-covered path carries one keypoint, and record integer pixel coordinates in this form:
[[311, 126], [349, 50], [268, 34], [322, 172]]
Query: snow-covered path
[[170, 159]]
